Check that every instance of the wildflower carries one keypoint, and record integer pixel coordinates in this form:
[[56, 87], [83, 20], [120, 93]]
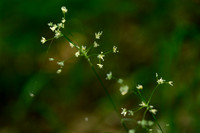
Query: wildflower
[[153, 111], [143, 104], [120, 81], [61, 25], [150, 106], [61, 63], [124, 89], [96, 44], [124, 111], [100, 66], [59, 71], [150, 130], [170, 83], [83, 48], [57, 34], [71, 44], [139, 87], [51, 59], [64, 9], [50, 24], [97, 35], [53, 28], [115, 49], [101, 56], [130, 112], [160, 81], [131, 131], [77, 54], [63, 20], [109, 76], [43, 40]]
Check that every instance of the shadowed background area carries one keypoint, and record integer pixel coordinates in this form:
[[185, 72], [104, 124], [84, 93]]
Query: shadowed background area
[[153, 36]]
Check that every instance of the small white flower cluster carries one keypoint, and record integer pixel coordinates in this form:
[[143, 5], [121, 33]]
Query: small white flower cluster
[[162, 81], [56, 27], [115, 49], [142, 104], [101, 56], [125, 112], [139, 87], [59, 63], [98, 34], [109, 76], [124, 89], [153, 111]]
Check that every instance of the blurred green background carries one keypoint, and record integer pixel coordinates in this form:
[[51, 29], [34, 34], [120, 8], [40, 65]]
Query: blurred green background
[[160, 36]]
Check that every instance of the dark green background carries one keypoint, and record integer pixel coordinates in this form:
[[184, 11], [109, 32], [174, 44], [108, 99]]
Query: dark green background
[[160, 36]]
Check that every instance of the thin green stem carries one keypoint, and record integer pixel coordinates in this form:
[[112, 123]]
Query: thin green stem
[[152, 94], [145, 113], [157, 122]]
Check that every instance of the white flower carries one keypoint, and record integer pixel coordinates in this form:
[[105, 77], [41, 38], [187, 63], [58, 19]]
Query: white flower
[[139, 87], [124, 111], [115, 49], [58, 34], [51, 59], [153, 111], [170, 83], [53, 28], [59, 71], [77, 54], [150, 130], [83, 48], [71, 44], [63, 20], [61, 63], [97, 35], [151, 106], [101, 56], [142, 104], [64, 9], [61, 25], [100, 66], [160, 81], [96, 44], [109, 76], [124, 89], [50, 24], [43, 40], [131, 131], [120, 81]]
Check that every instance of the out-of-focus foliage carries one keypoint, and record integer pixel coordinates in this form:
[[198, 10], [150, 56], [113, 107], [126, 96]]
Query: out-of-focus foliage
[[160, 36]]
